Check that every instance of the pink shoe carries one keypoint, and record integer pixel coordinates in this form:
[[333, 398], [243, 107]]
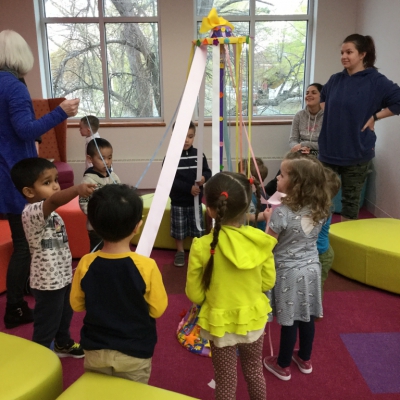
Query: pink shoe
[[271, 364], [304, 366]]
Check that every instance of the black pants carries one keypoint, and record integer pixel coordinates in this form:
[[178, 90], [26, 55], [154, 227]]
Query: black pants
[[95, 240], [19, 265], [288, 341], [52, 316]]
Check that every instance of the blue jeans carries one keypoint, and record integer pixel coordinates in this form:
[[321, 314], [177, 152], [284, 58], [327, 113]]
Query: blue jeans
[[20, 261]]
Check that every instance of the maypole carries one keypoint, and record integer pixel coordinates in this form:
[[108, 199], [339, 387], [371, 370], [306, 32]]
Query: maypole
[[220, 39]]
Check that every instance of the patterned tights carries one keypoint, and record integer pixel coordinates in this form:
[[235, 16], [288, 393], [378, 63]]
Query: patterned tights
[[224, 360]]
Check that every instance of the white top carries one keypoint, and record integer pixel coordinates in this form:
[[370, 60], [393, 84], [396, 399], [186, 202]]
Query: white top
[[88, 139], [51, 260]]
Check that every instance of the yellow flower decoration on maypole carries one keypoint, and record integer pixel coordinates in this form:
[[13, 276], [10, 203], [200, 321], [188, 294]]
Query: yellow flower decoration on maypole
[[213, 21]]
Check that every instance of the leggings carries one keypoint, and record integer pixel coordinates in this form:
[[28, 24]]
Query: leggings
[[288, 341], [224, 360]]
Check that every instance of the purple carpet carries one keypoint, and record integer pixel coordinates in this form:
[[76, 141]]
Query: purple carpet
[[377, 356], [356, 352]]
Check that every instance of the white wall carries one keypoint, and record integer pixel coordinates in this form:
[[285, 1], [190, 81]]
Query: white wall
[[381, 20]]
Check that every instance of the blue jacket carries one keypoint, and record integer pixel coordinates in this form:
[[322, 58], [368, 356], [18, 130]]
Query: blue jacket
[[18, 131], [350, 100]]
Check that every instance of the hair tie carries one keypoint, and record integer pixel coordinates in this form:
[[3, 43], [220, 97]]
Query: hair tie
[[224, 194], [251, 180], [212, 251]]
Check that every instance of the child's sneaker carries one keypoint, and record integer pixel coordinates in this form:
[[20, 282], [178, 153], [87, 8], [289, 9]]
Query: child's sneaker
[[271, 364], [179, 259], [304, 366], [72, 349]]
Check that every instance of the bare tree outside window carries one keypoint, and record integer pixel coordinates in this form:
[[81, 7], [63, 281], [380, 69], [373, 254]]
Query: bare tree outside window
[[106, 52]]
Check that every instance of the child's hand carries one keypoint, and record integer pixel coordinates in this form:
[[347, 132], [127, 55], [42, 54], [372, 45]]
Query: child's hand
[[267, 214], [195, 190], [201, 181], [86, 189]]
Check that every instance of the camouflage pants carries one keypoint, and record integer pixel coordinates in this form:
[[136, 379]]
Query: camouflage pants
[[353, 178]]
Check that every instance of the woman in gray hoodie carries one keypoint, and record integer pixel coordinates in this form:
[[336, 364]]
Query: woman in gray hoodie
[[306, 127], [307, 123]]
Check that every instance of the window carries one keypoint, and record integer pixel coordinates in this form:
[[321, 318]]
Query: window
[[106, 52], [280, 52]]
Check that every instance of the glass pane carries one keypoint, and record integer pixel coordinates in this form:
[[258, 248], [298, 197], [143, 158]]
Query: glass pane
[[241, 29], [133, 70], [75, 64], [279, 66], [130, 8], [223, 7], [281, 7], [71, 8]]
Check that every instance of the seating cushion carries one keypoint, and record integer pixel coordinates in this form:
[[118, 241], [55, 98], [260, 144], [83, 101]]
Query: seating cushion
[[49, 147], [368, 251], [98, 386], [75, 225], [65, 174], [163, 238], [6, 250], [28, 370]]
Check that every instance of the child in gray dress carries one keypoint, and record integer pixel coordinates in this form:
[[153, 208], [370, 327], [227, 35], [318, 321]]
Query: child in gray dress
[[296, 299]]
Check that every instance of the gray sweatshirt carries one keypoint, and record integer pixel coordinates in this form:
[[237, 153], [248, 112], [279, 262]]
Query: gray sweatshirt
[[94, 177], [306, 128]]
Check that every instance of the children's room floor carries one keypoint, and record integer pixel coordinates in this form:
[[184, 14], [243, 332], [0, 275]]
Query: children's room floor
[[356, 352]]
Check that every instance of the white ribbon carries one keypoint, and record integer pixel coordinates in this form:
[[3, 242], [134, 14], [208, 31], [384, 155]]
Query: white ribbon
[[174, 151], [215, 109], [200, 135]]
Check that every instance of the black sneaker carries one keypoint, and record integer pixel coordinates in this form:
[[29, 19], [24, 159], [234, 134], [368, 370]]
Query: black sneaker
[[17, 314], [72, 349]]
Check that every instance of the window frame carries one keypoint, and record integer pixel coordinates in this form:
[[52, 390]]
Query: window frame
[[252, 18], [101, 20]]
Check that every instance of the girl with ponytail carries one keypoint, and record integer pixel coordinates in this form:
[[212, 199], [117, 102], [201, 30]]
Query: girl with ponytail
[[229, 270]]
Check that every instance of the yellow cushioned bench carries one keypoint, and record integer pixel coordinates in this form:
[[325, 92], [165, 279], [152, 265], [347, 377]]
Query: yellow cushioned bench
[[163, 239], [28, 371], [96, 386], [368, 251]]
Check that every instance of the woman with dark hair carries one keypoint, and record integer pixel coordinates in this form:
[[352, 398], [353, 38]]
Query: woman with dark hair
[[353, 100], [306, 127], [18, 131], [307, 123]]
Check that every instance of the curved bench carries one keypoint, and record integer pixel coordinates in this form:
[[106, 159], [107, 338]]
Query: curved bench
[[163, 238], [368, 251], [6, 250], [92, 385], [28, 370]]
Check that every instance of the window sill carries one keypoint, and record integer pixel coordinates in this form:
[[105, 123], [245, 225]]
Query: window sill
[[128, 124], [121, 124]]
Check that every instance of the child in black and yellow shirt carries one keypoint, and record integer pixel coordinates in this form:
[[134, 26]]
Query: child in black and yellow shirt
[[121, 291]]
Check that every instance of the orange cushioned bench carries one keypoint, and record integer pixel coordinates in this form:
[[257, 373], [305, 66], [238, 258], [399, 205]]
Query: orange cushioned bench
[[75, 224], [6, 249]]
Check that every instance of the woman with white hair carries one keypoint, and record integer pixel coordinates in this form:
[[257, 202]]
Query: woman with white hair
[[18, 131]]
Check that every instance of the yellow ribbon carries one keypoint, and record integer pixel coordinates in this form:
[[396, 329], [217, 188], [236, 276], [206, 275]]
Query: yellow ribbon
[[212, 20]]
